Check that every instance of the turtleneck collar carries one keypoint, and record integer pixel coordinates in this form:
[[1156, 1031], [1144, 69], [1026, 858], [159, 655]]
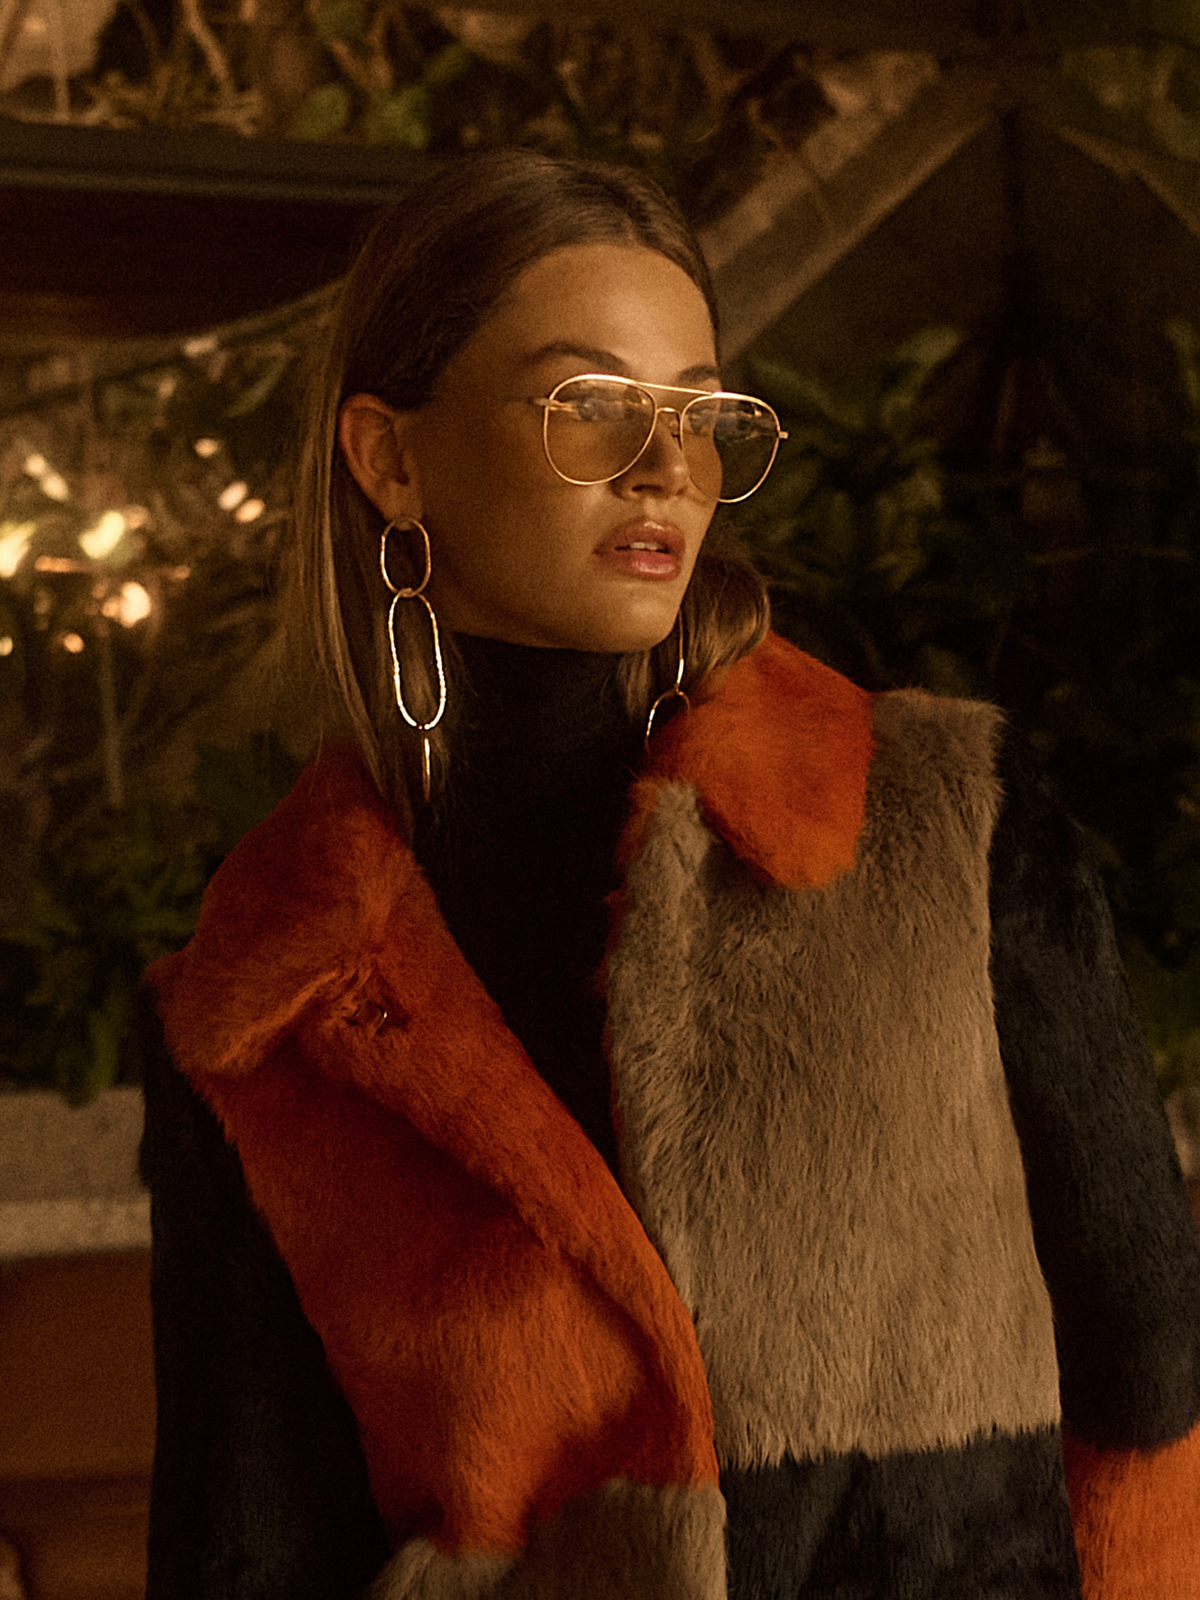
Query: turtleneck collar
[[559, 700]]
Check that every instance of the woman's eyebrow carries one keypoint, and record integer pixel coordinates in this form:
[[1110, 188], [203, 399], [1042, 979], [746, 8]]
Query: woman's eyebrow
[[605, 361], [597, 359]]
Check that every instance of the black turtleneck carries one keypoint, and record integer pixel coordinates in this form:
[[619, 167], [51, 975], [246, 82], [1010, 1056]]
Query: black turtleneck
[[521, 852]]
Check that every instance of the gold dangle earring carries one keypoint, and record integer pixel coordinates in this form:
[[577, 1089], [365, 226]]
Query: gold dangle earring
[[675, 692], [415, 593]]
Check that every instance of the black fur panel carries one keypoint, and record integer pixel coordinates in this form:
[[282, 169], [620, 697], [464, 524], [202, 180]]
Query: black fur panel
[[985, 1522], [1111, 1217]]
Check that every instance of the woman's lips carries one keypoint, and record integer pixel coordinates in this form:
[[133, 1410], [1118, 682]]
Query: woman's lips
[[644, 549]]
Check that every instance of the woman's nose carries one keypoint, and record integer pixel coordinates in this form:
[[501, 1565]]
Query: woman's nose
[[661, 467]]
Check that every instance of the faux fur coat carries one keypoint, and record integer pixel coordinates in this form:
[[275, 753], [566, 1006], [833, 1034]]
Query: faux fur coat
[[893, 1181]]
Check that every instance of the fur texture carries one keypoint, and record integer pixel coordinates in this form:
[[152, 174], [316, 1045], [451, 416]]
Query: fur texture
[[786, 792], [1136, 1514], [260, 1488], [629, 1540], [508, 1339], [1110, 1210], [814, 1121], [988, 1521], [421, 1174]]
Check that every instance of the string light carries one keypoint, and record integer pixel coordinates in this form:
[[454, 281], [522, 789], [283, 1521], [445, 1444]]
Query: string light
[[51, 483], [232, 495], [249, 510], [6, 644], [130, 606], [72, 643], [206, 447], [14, 542], [102, 538]]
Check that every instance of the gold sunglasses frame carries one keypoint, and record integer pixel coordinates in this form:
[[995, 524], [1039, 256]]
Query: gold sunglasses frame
[[550, 402]]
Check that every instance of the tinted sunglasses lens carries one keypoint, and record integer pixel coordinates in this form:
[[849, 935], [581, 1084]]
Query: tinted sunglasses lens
[[729, 444], [594, 430]]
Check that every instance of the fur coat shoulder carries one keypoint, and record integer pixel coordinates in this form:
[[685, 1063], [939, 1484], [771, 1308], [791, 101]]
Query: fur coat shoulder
[[895, 1194]]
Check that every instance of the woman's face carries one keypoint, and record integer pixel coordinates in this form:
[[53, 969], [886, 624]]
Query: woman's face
[[519, 554]]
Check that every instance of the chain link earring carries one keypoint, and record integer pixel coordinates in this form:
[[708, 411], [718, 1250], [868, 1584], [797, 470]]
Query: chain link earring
[[675, 692], [417, 592]]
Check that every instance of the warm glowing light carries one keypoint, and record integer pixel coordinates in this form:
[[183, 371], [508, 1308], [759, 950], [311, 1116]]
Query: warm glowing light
[[249, 510], [6, 644], [14, 541], [206, 447], [136, 516], [167, 386], [204, 344], [54, 486], [36, 465], [130, 606], [102, 538], [72, 643], [232, 495]]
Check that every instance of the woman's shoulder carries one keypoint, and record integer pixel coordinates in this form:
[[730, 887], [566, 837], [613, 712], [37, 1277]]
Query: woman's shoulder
[[289, 909]]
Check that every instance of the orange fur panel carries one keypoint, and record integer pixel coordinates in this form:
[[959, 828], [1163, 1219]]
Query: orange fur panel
[[288, 917], [488, 1300], [1136, 1513], [780, 757]]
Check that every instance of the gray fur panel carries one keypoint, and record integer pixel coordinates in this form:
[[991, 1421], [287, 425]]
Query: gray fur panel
[[814, 1120], [629, 1542]]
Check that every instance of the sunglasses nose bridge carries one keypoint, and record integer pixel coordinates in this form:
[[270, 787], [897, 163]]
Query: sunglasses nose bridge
[[674, 422]]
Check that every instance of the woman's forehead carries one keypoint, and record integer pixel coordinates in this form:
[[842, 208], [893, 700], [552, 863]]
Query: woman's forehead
[[615, 307]]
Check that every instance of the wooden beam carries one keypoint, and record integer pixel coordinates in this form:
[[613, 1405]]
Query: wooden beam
[[43, 155], [794, 227], [944, 26], [1176, 183]]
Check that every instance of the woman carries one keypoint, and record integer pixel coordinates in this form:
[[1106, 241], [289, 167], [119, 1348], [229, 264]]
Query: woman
[[756, 1267]]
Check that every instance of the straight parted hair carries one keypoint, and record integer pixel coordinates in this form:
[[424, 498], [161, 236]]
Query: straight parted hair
[[429, 274]]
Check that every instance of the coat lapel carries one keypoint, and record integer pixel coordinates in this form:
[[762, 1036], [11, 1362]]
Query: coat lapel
[[322, 920], [779, 758]]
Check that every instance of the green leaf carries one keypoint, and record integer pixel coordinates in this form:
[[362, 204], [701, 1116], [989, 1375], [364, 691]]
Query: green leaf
[[341, 19], [450, 63], [929, 347], [401, 118], [324, 114], [797, 394], [262, 388]]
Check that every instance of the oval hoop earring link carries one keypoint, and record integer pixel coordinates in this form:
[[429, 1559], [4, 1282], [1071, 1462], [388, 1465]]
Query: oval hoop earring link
[[675, 692], [416, 592]]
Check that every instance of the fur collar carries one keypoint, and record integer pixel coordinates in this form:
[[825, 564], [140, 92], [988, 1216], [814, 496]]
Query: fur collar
[[779, 758]]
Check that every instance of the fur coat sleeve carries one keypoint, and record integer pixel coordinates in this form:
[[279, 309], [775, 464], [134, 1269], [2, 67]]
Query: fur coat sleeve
[[260, 1489], [1111, 1217]]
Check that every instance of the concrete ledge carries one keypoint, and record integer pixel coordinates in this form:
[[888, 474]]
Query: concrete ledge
[[68, 1177]]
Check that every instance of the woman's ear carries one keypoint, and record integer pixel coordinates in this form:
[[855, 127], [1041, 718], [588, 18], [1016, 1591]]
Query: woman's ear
[[373, 441]]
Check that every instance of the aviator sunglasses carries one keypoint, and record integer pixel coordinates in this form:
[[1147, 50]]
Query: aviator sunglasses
[[595, 427]]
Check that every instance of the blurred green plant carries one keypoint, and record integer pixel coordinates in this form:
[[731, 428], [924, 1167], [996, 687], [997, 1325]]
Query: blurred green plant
[[898, 566], [137, 554], [871, 570], [112, 893]]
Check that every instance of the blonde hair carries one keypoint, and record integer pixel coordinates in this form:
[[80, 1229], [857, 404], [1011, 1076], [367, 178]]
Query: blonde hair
[[427, 277]]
